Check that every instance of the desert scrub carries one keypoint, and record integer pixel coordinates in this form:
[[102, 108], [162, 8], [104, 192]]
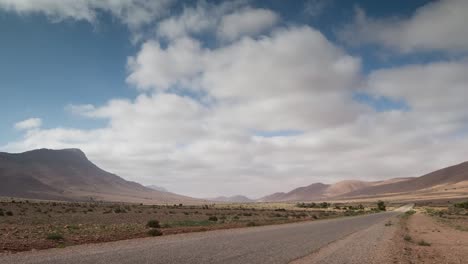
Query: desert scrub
[[54, 236], [251, 224], [213, 218], [381, 206], [153, 224], [407, 238], [424, 243], [9, 213], [155, 232]]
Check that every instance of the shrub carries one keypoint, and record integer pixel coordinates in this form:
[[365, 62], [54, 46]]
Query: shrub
[[9, 213], [119, 210], [54, 236], [461, 205], [155, 232], [389, 223], [381, 206], [251, 224], [424, 243], [153, 224], [280, 210], [407, 238], [213, 218]]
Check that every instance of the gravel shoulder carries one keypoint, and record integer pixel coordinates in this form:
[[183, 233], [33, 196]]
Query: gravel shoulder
[[372, 245]]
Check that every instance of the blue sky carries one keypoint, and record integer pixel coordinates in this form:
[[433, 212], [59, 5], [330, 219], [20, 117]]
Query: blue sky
[[210, 98]]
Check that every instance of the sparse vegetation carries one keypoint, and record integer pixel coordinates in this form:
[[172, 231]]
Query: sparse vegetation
[[153, 224], [251, 224], [155, 232], [381, 206], [94, 221], [463, 205], [424, 243], [407, 238], [54, 236]]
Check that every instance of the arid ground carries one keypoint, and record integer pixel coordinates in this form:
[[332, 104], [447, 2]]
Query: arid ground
[[27, 224]]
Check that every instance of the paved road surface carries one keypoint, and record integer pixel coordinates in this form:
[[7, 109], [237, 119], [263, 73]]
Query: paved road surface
[[267, 244]]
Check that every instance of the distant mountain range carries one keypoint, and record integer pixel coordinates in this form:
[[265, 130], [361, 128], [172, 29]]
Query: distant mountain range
[[232, 199], [451, 178], [69, 175]]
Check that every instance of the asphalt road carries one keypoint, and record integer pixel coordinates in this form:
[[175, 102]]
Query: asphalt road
[[267, 244]]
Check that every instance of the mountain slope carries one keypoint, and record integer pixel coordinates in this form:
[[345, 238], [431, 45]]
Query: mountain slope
[[68, 175], [437, 180]]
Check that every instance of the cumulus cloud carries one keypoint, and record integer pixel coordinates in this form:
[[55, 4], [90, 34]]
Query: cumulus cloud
[[28, 124], [134, 13], [438, 25], [246, 22]]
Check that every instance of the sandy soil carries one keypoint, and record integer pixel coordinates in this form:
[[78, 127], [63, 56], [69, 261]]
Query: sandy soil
[[445, 244]]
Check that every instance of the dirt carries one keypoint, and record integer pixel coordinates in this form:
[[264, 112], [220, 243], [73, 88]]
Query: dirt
[[429, 241], [32, 223]]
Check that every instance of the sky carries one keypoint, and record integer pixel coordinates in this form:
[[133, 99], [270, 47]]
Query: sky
[[209, 98]]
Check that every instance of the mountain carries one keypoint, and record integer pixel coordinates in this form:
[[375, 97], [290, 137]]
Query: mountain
[[440, 179], [69, 175], [157, 188], [232, 199], [453, 177]]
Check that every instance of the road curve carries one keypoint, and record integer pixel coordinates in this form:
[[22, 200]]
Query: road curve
[[266, 244]]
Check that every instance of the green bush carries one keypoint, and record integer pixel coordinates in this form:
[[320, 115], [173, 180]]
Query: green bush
[[153, 224], [55, 236], [461, 205], [213, 218], [381, 206], [155, 232]]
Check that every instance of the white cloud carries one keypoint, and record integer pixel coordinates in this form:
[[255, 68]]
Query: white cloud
[[439, 26], [246, 22], [228, 21], [134, 13], [28, 124]]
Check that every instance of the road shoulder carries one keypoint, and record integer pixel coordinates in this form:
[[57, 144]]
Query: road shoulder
[[372, 245]]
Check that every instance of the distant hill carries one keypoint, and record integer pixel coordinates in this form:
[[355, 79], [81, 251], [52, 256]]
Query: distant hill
[[443, 179], [232, 199], [69, 175], [439, 179]]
